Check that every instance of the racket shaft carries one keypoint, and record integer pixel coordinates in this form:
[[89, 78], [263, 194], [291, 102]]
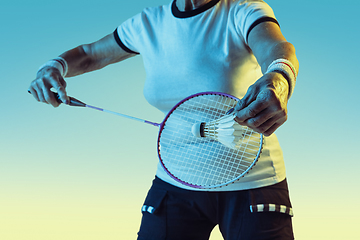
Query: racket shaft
[[77, 103], [123, 115]]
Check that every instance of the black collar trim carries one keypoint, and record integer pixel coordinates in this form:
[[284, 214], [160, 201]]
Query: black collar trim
[[179, 14]]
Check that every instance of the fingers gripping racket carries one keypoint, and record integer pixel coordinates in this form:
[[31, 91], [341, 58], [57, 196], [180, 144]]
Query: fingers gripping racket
[[199, 143]]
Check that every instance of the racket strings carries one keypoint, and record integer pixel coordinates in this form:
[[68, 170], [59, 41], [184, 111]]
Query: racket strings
[[203, 161]]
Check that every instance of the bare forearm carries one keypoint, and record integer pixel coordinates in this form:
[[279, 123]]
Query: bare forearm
[[268, 44], [94, 56], [79, 60], [264, 106], [282, 49]]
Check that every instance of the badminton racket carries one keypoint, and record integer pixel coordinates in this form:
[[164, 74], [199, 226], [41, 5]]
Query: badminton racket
[[199, 144]]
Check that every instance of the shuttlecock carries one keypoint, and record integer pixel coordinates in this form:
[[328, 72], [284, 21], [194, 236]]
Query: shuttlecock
[[224, 130]]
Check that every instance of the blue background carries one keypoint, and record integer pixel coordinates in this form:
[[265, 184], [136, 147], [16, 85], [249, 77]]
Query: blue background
[[74, 173]]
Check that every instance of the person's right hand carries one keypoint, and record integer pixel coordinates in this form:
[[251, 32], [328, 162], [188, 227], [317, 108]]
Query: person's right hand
[[47, 78]]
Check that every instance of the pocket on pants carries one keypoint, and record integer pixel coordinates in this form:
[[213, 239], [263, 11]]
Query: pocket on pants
[[272, 207], [273, 198], [153, 223]]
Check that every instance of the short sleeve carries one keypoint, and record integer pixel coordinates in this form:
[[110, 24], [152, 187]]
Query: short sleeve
[[127, 34], [250, 13]]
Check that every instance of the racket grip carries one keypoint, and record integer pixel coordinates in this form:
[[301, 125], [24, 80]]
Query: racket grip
[[73, 101]]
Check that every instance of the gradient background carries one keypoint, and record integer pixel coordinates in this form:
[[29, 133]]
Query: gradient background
[[73, 173]]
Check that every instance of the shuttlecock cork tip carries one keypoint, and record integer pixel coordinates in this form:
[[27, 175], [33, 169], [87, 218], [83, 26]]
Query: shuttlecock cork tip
[[196, 129]]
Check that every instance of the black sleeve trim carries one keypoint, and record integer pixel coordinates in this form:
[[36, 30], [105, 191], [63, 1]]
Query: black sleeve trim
[[121, 44], [261, 20]]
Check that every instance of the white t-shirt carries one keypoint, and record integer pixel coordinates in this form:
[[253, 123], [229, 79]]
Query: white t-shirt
[[202, 50]]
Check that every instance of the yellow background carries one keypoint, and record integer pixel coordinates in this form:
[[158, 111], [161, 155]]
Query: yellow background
[[74, 173]]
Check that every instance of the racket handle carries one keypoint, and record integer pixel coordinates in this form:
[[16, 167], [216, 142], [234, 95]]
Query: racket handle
[[73, 101]]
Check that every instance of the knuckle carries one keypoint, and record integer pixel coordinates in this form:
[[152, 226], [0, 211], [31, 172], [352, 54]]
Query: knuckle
[[254, 122], [282, 114], [277, 105], [261, 102], [54, 74], [251, 88], [278, 108], [33, 85], [283, 119], [251, 91], [48, 98], [261, 129], [251, 112], [238, 120], [48, 73], [39, 82], [267, 95]]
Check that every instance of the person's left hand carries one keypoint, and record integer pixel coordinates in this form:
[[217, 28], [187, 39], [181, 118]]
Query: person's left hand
[[264, 106]]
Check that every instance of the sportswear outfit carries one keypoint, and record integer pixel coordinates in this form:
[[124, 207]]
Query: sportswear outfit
[[197, 51]]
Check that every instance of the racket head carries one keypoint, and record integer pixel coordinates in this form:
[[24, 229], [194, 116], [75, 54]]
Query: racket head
[[204, 163]]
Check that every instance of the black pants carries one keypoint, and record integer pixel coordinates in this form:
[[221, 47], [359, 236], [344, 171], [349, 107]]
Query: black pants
[[171, 213]]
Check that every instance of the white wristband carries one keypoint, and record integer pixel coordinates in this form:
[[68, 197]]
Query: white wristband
[[286, 67], [58, 63]]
